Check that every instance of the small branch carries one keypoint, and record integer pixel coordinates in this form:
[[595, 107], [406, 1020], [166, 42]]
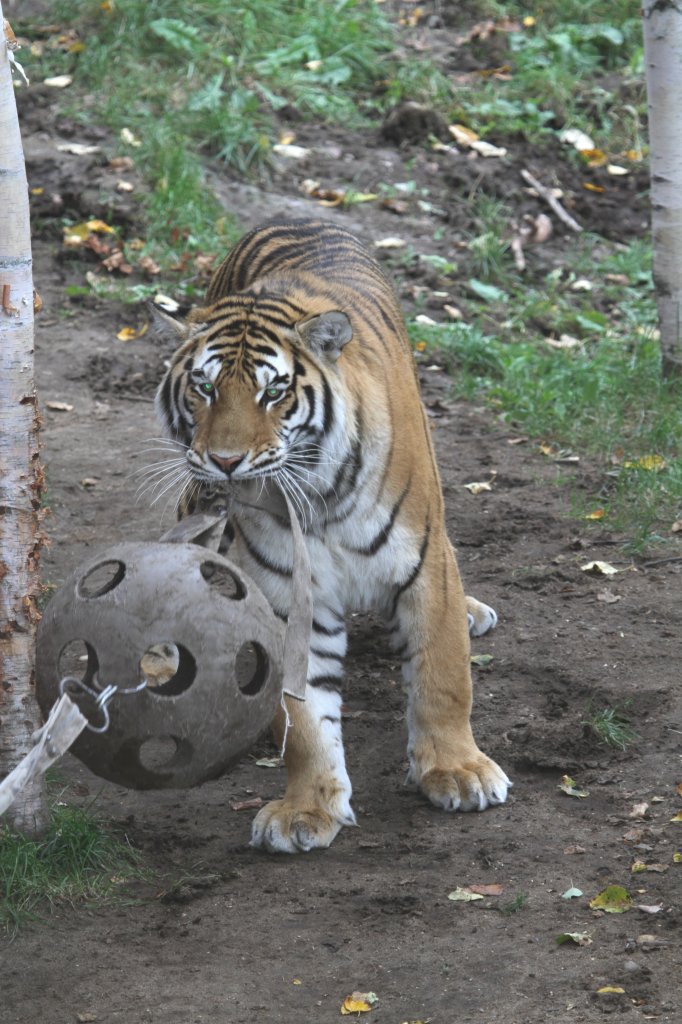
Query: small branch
[[551, 200]]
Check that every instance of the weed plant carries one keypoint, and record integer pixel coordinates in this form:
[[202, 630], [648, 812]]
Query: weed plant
[[77, 860], [612, 727]]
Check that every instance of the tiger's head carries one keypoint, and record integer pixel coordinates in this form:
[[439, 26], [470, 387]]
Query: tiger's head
[[249, 384]]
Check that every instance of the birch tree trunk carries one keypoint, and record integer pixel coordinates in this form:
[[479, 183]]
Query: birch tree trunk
[[21, 475], [663, 58]]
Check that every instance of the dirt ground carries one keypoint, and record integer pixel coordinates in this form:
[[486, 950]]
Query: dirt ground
[[232, 935]]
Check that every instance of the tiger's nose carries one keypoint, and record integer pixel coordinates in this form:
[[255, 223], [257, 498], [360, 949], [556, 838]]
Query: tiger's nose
[[226, 463]]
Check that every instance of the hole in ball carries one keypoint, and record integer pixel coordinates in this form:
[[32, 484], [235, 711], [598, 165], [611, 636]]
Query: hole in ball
[[222, 581], [251, 668], [169, 668], [78, 659], [101, 579], [157, 752]]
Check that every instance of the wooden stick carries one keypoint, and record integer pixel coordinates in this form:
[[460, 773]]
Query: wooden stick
[[553, 202]]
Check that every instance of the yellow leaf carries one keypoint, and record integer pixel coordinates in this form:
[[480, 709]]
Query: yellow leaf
[[594, 157], [606, 989], [677, 817], [593, 188], [297, 981], [286, 138], [635, 155], [598, 513], [571, 788], [613, 900], [37, 191], [463, 135], [546, 449], [131, 333], [420, 346], [99, 226], [637, 867], [650, 462], [528, 21], [677, 858], [358, 1002]]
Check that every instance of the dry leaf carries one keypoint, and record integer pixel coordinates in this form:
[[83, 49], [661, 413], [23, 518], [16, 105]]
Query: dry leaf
[[290, 152], [89, 482], [616, 170], [77, 148], [566, 341], [570, 850], [463, 135], [599, 568], [608, 597], [614, 899], [677, 818], [392, 242], [572, 893], [269, 762], [131, 333], [594, 157], [654, 908], [358, 1002], [494, 889], [128, 138], [610, 990], [481, 659], [590, 187], [678, 789], [597, 513], [121, 163], [639, 810], [574, 137], [650, 462], [59, 406], [487, 149], [453, 312], [58, 82], [124, 186], [461, 895]]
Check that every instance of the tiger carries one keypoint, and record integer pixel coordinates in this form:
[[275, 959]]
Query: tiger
[[297, 376]]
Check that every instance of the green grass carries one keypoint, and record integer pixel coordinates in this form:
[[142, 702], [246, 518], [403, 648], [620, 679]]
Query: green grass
[[612, 727], [604, 397], [78, 860]]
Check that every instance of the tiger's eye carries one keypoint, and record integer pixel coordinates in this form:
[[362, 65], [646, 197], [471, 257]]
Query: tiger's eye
[[207, 387], [272, 392]]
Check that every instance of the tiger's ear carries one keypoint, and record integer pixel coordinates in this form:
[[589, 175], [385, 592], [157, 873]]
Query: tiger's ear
[[176, 325], [326, 335]]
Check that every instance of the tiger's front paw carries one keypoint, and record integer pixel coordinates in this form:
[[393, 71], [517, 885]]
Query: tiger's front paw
[[283, 826], [481, 617], [472, 786]]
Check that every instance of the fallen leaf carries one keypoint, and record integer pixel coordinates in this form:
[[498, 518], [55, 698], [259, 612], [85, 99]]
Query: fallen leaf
[[89, 482], [572, 893], [610, 989], [639, 810], [392, 242], [599, 568], [420, 346], [296, 981], [58, 82], [463, 135], [590, 187], [481, 659], [574, 137], [59, 406], [358, 1002], [677, 818], [290, 152], [579, 938], [677, 526], [677, 857], [460, 895], [421, 318], [594, 157], [269, 762], [478, 487], [565, 341], [246, 805], [597, 513], [131, 333], [582, 285], [487, 149], [678, 789], [637, 867], [124, 186], [614, 899], [86, 1018], [608, 597], [655, 908], [128, 138], [454, 313], [570, 850], [571, 788], [494, 889], [121, 163], [149, 266], [77, 148], [616, 170]]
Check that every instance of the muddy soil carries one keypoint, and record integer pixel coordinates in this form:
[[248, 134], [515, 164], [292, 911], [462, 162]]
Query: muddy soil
[[228, 934]]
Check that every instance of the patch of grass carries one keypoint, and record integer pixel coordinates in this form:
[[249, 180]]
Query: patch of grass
[[612, 727], [604, 395], [78, 859]]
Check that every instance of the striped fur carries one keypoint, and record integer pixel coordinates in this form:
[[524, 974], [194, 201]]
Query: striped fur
[[298, 374]]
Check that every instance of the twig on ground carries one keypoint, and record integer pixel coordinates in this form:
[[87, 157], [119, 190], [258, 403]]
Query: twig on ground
[[551, 200]]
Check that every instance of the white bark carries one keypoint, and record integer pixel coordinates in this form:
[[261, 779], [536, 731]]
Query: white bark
[[20, 470], [663, 57]]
